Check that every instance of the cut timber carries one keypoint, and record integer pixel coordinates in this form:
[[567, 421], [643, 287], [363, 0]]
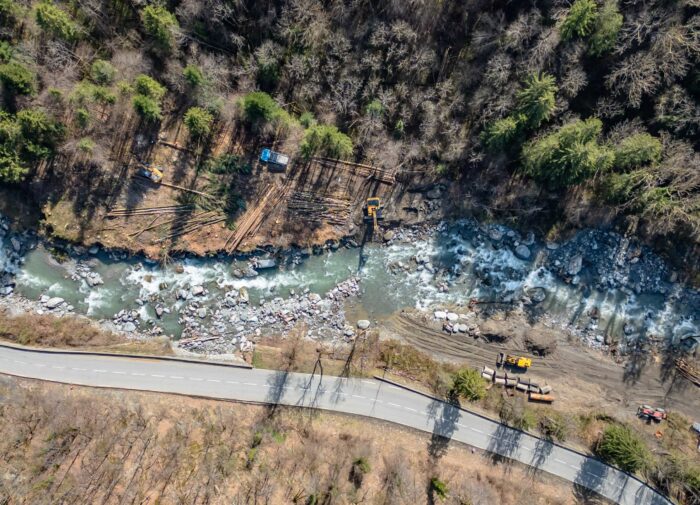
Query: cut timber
[[368, 171], [688, 371], [188, 190], [252, 219]]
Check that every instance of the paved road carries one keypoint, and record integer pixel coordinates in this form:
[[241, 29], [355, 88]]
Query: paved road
[[368, 398]]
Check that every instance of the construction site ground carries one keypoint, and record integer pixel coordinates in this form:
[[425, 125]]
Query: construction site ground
[[581, 378], [309, 203]]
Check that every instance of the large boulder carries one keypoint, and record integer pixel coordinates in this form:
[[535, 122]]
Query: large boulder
[[523, 252], [54, 302], [574, 265], [363, 324]]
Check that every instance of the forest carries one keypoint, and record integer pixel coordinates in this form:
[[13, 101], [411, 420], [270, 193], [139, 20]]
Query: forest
[[589, 108]]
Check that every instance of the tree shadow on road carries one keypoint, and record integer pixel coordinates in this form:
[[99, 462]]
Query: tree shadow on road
[[504, 444], [445, 416], [278, 383], [539, 456]]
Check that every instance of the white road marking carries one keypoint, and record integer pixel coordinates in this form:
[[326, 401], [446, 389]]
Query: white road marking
[[58, 367], [370, 383], [249, 384], [358, 396], [213, 380], [475, 429], [195, 379], [409, 408], [120, 373], [159, 376], [176, 377], [39, 364], [99, 371], [20, 362], [394, 405], [138, 374], [232, 382], [79, 369]]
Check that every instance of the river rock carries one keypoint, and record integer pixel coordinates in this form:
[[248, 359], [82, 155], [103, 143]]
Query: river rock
[[243, 295], [495, 234], [198, 290], [314, 297], [363, 324], [452, 317], [44, 298], [265, 263], [182, 294], [94, 250], [388, 235], [537, 294], [522, 252], [574, 265], [439, 314], [434, 194], [179, 269], [129, 327], [159, 311], [54, 302], [16, 244], [202, 313]]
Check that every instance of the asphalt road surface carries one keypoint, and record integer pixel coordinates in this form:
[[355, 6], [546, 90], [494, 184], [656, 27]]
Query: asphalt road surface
[[369, 398]]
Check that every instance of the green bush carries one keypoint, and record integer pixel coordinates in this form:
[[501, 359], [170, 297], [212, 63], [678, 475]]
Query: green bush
[[228, 164], [307, 120], [56, 22], [259, 107], [193, 75], [637, 150], [102, 72], [537, 99], [362, 465], [620, 446], [147, 86], [198, 121], [554, 426], [568, 156], [161, 24], [499, 135], [7, 51], [12, 170], [41, 133], [327, 141], [607, 27], [468, 383], [86, 145], [82, 117], [517, 414], [17, 79], [147, 108], [438, 487], [580, 20], [86, 92], [10, 11], [375, 108]]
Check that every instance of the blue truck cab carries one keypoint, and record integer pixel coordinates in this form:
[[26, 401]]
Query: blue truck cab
[[272, 158]]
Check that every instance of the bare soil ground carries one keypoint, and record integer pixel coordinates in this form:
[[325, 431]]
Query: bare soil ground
[[63, 444], [582, 378], [311, 203]]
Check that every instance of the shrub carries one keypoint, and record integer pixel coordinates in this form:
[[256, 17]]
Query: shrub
[[82, 117], [568, 156], [517, 414], [56, 22], [17, 79], [12, 170], [147, 108], [637, 150], [193, 75], [161, 24], [86, 145], [147, 86], [102, 72], [9, 12], [580, 19], [6, 52], [307, 120], [500, 134], [40, 132], [607, 27], [620, 446], [439, 488], [258, 107], [468, 383], [326, 140], [536, 101], [228, 164], [375, 109], [554, 426], [198, 121], [86, 92]]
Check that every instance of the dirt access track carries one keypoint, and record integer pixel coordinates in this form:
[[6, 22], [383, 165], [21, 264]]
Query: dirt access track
[[581, 378], [202, 211]]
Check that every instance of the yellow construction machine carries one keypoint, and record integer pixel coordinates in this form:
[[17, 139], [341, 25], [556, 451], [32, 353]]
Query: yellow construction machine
[[515, 361], [373, 212]]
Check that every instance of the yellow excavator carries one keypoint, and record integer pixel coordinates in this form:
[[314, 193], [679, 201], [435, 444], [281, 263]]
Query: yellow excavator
[[373, 212]]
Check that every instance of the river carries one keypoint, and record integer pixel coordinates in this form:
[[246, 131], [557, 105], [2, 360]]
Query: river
[[597, 282]]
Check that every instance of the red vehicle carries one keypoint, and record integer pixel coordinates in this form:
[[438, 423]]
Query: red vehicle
[[651, 413]]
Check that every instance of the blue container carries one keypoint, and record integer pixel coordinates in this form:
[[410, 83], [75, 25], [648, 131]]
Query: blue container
[[265, 155]]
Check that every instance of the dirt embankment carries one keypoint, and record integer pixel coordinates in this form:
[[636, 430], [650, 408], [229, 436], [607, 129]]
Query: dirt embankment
[[582, 378], [79, 445]]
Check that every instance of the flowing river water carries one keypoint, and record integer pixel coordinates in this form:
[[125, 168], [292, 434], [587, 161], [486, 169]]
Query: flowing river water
[[597, 282]]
